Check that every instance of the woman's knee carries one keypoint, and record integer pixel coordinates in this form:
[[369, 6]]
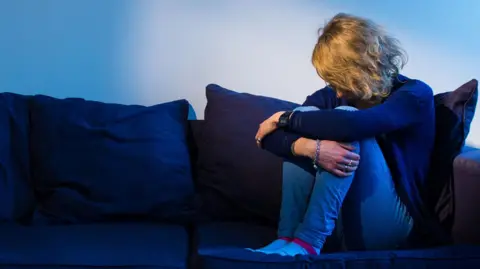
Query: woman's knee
[[314, 108], [347, 108], [306, 108]]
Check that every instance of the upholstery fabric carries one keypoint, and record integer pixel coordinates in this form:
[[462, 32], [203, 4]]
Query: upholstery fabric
[[237, 180], [16, 194], [467, 198], [454, 114], [217, 252], [96, 162], [93, 246]]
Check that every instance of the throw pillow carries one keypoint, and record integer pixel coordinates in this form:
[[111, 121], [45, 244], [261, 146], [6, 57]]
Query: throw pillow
[[237, 180], [95, 162], [454, 114]]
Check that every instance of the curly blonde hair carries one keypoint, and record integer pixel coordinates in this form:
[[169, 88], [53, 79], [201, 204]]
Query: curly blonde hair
[[357, 57]]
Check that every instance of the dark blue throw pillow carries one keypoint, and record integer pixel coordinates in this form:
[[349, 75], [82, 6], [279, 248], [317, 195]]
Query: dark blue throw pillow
[[237, 180], [16, 193], [454, 112], [95, 162]]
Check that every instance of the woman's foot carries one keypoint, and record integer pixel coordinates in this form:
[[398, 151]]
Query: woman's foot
[[276, 244], [296, 247]]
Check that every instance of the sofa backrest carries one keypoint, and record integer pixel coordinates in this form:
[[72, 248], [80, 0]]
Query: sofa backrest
[[466, 189], [194, 133], [16, 192]]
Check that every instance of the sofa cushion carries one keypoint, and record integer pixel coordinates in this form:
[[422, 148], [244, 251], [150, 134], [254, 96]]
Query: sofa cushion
[[16, 192], [446, 257], [467, 199], [454, 114], [236, 179], [223, 246], [93, 246], [94, 162]]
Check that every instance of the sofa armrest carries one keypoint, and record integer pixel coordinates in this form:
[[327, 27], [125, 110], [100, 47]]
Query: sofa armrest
[[466, 175]]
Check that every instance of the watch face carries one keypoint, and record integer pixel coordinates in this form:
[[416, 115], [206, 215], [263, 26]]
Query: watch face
[[283, 120]]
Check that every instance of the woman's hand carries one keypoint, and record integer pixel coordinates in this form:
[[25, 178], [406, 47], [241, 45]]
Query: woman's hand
[[267, 126], [336, 158]]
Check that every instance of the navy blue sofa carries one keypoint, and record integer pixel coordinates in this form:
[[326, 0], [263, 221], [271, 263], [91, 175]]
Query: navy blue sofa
[[86, 184]]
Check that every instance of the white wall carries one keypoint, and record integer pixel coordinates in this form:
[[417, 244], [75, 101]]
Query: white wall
[[150, 51]]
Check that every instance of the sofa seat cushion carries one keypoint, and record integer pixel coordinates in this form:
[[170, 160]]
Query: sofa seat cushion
[[223, 246], [93, 246]]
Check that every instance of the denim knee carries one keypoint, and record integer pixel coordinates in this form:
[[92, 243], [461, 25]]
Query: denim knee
[[314, 108], [306, 108], [347, 108]]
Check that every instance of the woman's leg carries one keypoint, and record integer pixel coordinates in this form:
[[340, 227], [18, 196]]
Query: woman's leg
[[297, 182], [328, 194], [296, 189], [373, 216]]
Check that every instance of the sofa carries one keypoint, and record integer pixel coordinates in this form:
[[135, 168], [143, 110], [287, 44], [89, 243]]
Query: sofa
[[86, 184]]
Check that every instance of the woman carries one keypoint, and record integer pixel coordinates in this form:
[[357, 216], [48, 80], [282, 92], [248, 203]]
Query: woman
[[369, 134]]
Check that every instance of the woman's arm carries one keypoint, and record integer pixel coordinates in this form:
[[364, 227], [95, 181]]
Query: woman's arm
[[406, 106], [280, 141]]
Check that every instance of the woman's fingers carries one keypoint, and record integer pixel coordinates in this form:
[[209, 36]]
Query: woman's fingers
[[346, 168], [352, 156], [259, 135], [258, 141], [349, 162], [264, 129], [347, 151], [340, 173]]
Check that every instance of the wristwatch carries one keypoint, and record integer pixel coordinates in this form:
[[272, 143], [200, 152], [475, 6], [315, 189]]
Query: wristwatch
[[284, 119]]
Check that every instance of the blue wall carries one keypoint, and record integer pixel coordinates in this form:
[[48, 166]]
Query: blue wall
[[61, 48]]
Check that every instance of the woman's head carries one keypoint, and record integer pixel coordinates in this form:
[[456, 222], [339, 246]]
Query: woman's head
[[357, 57]]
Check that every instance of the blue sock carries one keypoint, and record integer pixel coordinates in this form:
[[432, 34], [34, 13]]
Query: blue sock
[[297, 247], [276, 244]]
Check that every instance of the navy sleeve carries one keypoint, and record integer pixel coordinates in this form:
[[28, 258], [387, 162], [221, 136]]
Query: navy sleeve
[[280, 141], [403, 108]]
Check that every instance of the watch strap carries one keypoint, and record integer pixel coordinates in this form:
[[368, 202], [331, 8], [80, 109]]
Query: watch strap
[[284, 119]]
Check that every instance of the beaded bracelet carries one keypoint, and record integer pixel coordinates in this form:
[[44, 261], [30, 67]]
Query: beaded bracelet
[[317, 154]]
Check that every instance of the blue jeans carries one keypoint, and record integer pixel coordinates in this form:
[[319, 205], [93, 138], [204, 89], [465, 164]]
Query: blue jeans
[[365, 205]]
